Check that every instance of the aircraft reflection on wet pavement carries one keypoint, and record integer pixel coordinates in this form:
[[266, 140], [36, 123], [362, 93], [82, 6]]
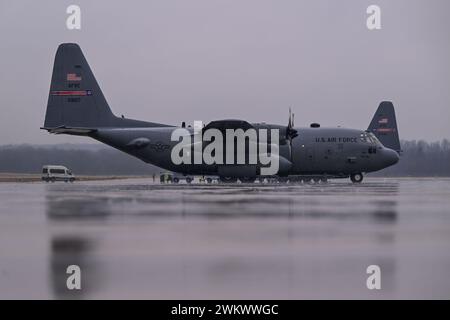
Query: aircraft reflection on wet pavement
[[267, 212], [136, 239]]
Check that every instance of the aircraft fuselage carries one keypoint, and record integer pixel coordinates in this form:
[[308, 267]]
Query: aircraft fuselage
[[334, 152]]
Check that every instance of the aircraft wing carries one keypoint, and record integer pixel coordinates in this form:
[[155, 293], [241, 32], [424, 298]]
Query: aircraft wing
[[228, 124]]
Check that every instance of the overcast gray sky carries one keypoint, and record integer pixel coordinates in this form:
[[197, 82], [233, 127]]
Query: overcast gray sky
[[174, 60]]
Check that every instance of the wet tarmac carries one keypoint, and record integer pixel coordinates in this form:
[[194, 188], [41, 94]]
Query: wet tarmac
[[139, 239]]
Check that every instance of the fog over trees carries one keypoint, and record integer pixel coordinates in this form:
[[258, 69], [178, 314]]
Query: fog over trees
[[419, 158], [81, 159]]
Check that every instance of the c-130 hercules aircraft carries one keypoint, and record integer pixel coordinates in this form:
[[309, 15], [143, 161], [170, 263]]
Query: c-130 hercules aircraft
[[76, 106]]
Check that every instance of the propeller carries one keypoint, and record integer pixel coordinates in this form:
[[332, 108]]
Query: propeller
[[291, 133]]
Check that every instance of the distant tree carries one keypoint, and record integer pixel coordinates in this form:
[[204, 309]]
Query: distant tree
[[421, 158], [99, 161]]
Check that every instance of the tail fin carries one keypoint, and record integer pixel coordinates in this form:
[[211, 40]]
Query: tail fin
[[76, 104], [384, 126], [75, 99]]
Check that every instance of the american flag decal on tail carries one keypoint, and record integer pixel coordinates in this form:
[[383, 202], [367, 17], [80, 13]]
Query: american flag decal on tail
[[383, 120], [73, 77]]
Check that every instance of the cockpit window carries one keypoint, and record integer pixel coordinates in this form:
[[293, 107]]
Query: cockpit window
[[374, 139], [369, 137], [364, 138]]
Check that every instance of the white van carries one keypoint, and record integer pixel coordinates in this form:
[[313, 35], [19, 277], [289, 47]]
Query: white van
[[57, 173]]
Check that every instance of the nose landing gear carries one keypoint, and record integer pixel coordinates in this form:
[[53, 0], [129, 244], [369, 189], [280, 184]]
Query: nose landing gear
[[356, 177]]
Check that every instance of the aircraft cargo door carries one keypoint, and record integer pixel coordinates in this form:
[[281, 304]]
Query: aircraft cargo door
[[339, 160]]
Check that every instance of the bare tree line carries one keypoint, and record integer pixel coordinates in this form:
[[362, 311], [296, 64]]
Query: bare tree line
[[93, 160], [419, 158]]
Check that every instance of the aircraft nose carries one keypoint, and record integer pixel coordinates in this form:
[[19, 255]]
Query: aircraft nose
[[391, 157]]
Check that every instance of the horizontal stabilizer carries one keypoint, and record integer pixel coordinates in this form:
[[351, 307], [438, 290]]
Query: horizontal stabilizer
[[73, 131]]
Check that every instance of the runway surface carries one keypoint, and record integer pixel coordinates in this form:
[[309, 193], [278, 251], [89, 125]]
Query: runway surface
[[139, 239]]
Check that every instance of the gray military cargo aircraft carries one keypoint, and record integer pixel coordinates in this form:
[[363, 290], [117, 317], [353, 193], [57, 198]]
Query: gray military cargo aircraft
[[76, 106]]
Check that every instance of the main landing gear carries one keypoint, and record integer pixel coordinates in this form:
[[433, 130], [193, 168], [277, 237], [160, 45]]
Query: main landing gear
[[227, 179], [356, 177]]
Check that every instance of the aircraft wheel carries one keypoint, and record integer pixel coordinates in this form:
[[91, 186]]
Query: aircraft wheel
[[189, 180], [228, 179], [247, 179], [176, 180], [316, 180], [324, 180], [356, 177], [208, 180], [295, 179]]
